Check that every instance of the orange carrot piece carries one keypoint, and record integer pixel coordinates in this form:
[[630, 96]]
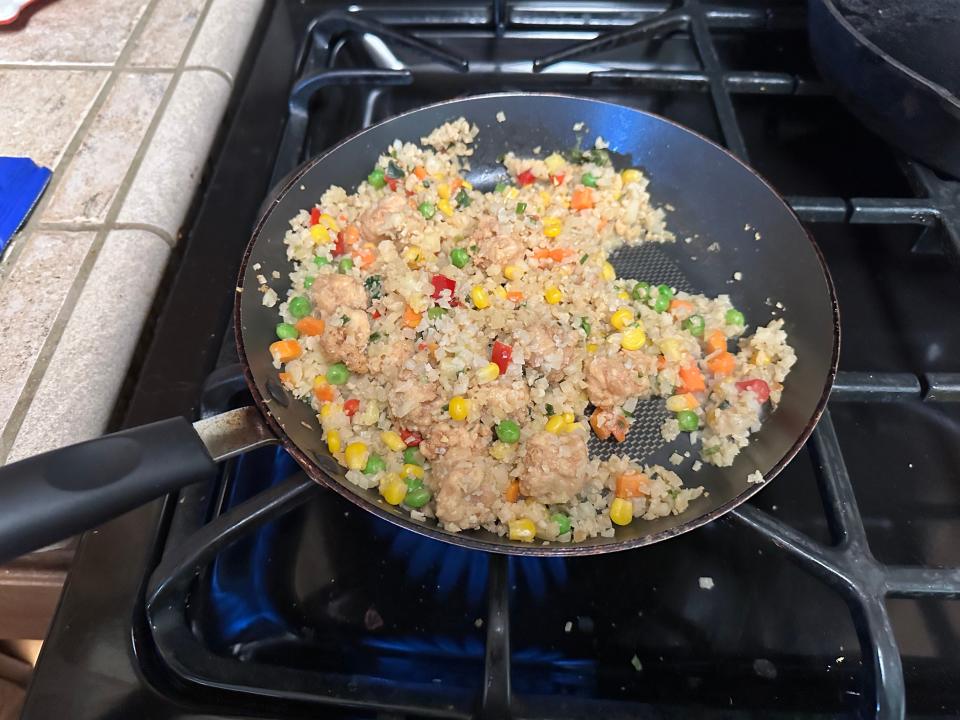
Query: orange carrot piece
[[560, 254], [420, 171], [691, 379], [455, 184], [285, 378], [324, 393], [411, 318], [721, 364], [515, 296], [513, 491], [606, 423], [661, 362], [602, 224], [351, 234], [541, 254], [716, 341], [365, 256], [310, 326], [681, 307], [581, 199], [632, 484], [285, 350]]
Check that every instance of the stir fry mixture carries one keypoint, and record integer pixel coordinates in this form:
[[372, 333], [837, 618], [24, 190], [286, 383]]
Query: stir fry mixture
[[459, 346]]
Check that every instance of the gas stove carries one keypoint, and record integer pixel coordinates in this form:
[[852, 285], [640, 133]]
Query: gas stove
[[828, 595]]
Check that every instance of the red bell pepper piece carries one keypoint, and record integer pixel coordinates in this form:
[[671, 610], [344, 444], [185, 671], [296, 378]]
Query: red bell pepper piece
[[757, 387], [315, 216], [557, 180], [411, 438], [441, 283], [500, 355], [340, 246], [350, 407], [525, 178], [392, 182]]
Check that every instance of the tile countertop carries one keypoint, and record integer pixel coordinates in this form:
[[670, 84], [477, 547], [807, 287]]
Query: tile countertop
[[122, 99]]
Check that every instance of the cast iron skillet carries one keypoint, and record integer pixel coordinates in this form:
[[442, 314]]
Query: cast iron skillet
[[894, 64], [714, 199]]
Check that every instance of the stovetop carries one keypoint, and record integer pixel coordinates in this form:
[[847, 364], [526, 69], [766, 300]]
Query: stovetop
[[309, 607]]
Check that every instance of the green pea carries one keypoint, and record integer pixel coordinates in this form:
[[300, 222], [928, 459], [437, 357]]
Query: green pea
[[688, 420], [308, 282], [499, 187], [661, 303], [412, 456], [521, 208], [427, 209], [320, 261], [413, 482], [665, 291], [435, 313], [589, 180], [508, 431], [694, 325], [337, 374], [734, 317], [286, 331], [344, 266], [463, 200], [585, 325], [299, 307], [374, 465], [377, 179], [459, 257], [417, 498], [640, 290], [562, 521]]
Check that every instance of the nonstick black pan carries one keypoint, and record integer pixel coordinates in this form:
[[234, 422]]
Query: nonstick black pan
[[736, 222], [896, 65]]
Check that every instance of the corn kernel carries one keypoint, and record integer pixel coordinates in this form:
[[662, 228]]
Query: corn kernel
[[761, 358], [621, 511], [329, 409], [608, 273], [512, 272], [410, 470], [411, 256], [443, 206], [555, 424], [513, 193], [676, 403], [319, 234], [568, 417], [591, 347], [500, 451], [500, 292], [621, 318], [670, 349], [480, 297], [443, 190], [552, 226], [570, 427], [369, 414], [320, 381], [552, 295], [488, 373], [633, 338], [328, 220], [554, 162], [393, 440], [522, 529], [394, 490], [467, 184], [545, 197], [333, 441], [459, 408], [356, 454], [630, 175], [623, 295]]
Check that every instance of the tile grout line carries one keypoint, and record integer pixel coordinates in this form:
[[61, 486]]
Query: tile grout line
[[11, 430], [131, 69], [67, 226]]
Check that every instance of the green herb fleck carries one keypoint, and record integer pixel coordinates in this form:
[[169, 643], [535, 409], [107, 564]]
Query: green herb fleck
[[344, 319], [463, 200], [394, 171], [521, 208], [584, 258], [374, 286], [374, 336], [499, 187], [549, 409]]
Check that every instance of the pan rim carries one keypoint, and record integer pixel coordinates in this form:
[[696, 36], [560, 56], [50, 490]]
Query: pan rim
[[316, 473]]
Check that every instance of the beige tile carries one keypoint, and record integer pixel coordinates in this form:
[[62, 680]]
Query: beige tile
[[73, 31], [170, 170], [80, 386], [166, 33], [30, 299], [41, 110], [225, 35], [94, 174]]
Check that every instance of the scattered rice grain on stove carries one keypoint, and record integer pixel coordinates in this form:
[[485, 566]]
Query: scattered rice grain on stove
[[706, 583], [755, 477], [501, 116]]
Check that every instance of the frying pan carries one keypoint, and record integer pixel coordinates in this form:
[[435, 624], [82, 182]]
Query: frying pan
[[714, 199], [895, 65]]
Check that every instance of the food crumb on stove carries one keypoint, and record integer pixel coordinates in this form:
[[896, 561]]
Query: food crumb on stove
[[269, 298], [756, 236], [713, 247], [275, 274], [686, 453], [600, 143], [568, 627], [256, 266], [303, 187], [910, 465], [307, 425], [706, 583], [738, 276], [697, 465], [501, 116], [779, 305], [841, 659], [577, 127], [635, 661], [238, 289], [747, 226], [688, 240], [755, 478], [536, 150], [693, 257], [478, 623], [669, 207], [676, 459], [262, 279], [417, 515]]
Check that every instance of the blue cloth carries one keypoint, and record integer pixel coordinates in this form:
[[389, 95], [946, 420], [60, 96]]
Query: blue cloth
[[22, 182]]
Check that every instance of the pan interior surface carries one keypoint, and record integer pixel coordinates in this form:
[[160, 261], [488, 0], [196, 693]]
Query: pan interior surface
[[734, 236]]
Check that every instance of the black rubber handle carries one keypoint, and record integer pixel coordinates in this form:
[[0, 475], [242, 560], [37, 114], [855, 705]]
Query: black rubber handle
[[55, 495]]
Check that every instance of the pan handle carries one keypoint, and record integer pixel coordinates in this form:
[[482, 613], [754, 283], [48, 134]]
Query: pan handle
[[49, 497]]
